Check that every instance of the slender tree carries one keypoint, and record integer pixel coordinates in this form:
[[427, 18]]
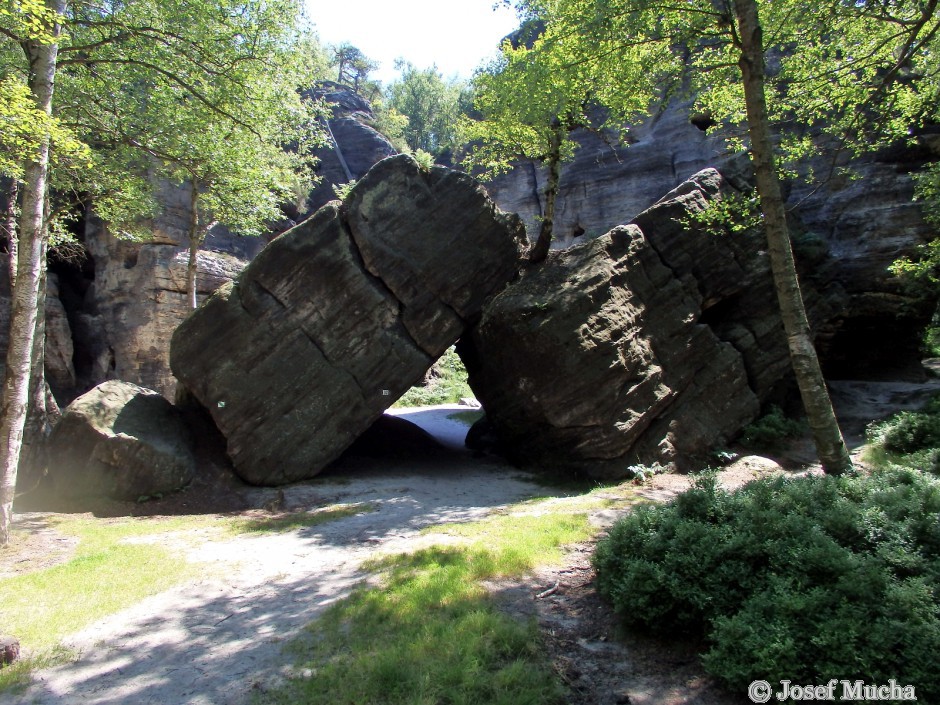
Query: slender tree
[[151, 85], [852, 69], [41, 47], [526, 104]]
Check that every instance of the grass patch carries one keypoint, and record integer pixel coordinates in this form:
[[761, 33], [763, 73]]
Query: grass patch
[[17, 675], [112, 569], [431, 633], [106, 574], [297, 520]]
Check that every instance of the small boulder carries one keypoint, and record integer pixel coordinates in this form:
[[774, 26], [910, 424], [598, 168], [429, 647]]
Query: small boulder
[[122, 442], [9, 650]]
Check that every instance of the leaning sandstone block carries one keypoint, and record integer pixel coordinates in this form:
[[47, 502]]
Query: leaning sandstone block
[[338, 317]]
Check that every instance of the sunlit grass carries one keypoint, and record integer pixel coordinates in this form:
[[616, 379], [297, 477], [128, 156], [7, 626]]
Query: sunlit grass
[[116, 564], [431, 632]]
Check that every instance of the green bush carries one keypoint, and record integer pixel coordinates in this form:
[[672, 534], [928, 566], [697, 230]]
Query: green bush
[[909, 432], [803, 579], [771, 431], [908, 439]]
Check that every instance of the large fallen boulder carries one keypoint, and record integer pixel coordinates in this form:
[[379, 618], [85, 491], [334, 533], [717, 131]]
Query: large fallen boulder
[[339, 316], [120, 441], [606, 357]]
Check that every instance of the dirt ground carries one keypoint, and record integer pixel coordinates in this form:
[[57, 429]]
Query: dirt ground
[[217, 639]]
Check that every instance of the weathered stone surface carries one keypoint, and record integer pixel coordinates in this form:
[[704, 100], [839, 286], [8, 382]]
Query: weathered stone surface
[[9, 650], [337, 317], [857, 227], [120, 441], [125, 317], [603, 356], [355, 142]]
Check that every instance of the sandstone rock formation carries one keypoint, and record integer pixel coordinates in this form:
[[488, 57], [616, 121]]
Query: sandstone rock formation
[[122, 442], [355, 145], [861, 225], [337, 317], [123, 302], [651, 343]]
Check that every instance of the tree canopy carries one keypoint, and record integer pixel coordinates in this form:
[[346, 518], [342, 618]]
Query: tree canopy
[[432, 106]]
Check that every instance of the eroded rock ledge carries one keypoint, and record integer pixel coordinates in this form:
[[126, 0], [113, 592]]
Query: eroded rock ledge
[[337, 317]]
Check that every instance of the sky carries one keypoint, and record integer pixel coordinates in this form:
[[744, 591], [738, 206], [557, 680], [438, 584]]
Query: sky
[[455, 35]]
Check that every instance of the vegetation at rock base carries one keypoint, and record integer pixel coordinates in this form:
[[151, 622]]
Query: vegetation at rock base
[[771, 431], [446, 383], [805, 579], [909, 439]]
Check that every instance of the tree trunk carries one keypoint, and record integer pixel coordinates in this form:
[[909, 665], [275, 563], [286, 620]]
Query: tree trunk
[[546, 229], [194, 242], [9, 225], [830, 446], [43, 411], [42, 67]]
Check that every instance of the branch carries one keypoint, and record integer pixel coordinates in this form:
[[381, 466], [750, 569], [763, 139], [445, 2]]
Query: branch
[[175, 79]]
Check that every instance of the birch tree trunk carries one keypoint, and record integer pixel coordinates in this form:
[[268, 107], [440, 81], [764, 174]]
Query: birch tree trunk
[[42, 68], [830, 446], [547, 227]]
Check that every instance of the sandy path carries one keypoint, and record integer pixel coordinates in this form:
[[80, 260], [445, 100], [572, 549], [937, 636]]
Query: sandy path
[[212, 640]]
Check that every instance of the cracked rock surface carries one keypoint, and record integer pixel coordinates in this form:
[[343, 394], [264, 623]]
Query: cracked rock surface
[[339, 316], [651, 343]]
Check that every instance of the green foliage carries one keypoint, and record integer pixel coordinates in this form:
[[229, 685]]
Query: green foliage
[[205, 94], [804, 579], [342, 190], [909, 439], [734, 213], [431, 105], [924, 265], [525, 103], [353, 68], [447, 384], [771, 431]]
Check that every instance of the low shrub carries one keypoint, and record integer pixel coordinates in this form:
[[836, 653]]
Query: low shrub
[[907, 439], [771, 431], [803, 579]]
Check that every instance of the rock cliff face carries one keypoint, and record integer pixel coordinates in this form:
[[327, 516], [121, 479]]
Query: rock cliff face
[[337, 317], [356, 145], [848, 231], [123, 302], [632, 347]]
